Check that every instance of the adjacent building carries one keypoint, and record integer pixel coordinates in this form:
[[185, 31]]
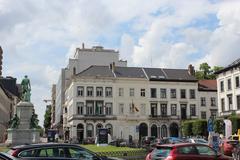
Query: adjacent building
[[83, 58], [228, 85]]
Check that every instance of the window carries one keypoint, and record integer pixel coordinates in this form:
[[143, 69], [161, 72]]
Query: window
[[131, 108], [238, 102], [99, 108], [76, 153], [153, 93], [237, 82], [173, 93], [163, 109], [80, 91], [142, 92], [110, 128], [187, 150], [183, 93], [223, 104], [80, 108], [230, 106], [89, 91], [99, 91], [192, 93], [205, 150], [192, 110], [108, 91], [108, 108], [203, 101], [89, 108], [222, 86], [173, 109], [203, 115], [65, 109], [214, 114], [90, 130], [120, 92], [143, 109], [229, 84], [121, 108], [131, 92], [213, 101], [163, 93], [153, 109]]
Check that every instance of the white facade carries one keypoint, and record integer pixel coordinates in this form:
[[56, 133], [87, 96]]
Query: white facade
[[83, 58], [124, 120], [229, 91]]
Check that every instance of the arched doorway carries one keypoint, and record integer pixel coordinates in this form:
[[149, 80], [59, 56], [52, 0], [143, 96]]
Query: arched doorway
[[98, 127], [154, 130], [80, 132], [173, 130], [143, 130], [164, 131]]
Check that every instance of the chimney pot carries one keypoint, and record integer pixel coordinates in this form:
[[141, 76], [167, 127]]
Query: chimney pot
[[191, 70]]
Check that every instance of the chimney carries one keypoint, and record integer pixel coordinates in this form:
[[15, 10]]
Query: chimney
[[1, 57], [113, 66], [82, 45], [191, 70]]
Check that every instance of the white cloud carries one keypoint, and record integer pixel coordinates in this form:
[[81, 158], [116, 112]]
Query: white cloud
[[126, 48]]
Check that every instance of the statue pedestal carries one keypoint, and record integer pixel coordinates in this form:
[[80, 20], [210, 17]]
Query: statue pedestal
[[23, 134]]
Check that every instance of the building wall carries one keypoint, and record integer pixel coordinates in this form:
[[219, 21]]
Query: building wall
[[5, 108], [127, 123], [234, 91]]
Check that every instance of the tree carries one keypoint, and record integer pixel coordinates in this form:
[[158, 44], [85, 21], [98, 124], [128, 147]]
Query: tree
[[47, 118], [205, 71], [218, 126], [187, 128], [199, 127]]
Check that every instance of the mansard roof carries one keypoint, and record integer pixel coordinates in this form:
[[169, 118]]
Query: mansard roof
[[152, 74], [234, 64]]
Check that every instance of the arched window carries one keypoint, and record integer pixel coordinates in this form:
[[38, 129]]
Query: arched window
[[80, 132], [154, 130], [90, 130], [110, 129], [164, 131]]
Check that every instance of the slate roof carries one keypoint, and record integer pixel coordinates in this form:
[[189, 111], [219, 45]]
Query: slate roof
[[207, 85], [102, 71], [152, 74], [234, 64], [10, 85], [129, 72]]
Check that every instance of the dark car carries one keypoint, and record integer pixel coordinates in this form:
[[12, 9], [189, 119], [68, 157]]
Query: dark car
[[5, 156], [185, 151], [54, 151]]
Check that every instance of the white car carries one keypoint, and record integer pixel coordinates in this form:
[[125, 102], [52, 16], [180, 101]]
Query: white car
[[197, 140]]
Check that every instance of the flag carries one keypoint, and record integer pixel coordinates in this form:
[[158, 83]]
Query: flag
[[134, 108]]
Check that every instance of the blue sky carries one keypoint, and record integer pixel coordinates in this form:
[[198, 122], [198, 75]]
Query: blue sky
[[38, 37]]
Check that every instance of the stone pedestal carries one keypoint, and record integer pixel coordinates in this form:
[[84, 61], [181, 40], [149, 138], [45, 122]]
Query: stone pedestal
[[23, 134]]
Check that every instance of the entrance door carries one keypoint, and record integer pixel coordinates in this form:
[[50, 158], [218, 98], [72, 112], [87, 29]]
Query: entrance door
[[173, 130], [143, 130], [183, 111], [80, 132]]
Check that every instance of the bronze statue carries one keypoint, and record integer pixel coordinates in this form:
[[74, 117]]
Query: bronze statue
[[14, 122], [26, 88], [34, 121]]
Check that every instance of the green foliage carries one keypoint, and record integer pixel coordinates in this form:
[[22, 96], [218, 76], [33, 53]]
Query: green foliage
[[199, 127], [218, 126], [187, 128], [47, 118], [205, 71], [235, 123]]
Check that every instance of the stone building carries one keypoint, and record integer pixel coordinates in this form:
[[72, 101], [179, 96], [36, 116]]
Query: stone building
[[228, 85]]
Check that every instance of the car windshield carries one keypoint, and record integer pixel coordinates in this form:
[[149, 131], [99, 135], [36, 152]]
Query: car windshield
[[161, 152], [200, 141], [235, 138]]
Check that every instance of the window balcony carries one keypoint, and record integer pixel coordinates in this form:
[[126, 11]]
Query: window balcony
[[163, 117], [94, 117]]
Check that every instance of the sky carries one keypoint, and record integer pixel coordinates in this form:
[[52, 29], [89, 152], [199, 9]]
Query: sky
[[38, 36]]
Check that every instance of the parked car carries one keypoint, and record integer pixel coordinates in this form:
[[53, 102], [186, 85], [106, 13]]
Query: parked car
[[146, 141], [171, 140], [185, 151], [234, 137], [228, 146], [54, 151], [5, 156], [197, 140]]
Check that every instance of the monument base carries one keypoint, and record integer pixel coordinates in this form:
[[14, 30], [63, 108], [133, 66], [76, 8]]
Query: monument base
[[23, 136]]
